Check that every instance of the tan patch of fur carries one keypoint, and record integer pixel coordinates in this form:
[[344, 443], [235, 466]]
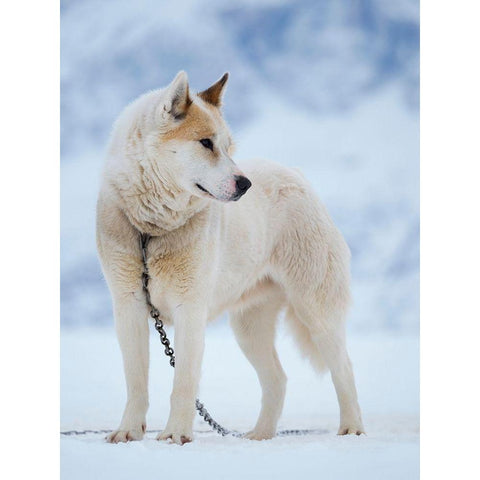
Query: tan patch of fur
[[196, 125], [174, 256], [117, 246], [175, 269]]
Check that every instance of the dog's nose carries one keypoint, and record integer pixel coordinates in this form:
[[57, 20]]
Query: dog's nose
[[243, 184]]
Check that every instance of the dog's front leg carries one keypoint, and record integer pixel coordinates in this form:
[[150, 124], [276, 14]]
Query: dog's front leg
[[189, 324], [131, 323]]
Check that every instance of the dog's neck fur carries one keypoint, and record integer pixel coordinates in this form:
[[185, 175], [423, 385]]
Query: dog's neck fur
[[153, 205]]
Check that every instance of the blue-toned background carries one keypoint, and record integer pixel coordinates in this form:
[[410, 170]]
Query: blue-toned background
[[329, 86]]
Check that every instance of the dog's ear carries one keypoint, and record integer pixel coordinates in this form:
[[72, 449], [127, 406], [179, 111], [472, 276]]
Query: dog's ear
[[177, 98], [213, 94]]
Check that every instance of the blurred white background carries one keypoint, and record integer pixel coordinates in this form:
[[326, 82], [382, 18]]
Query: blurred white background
[[330, 87]]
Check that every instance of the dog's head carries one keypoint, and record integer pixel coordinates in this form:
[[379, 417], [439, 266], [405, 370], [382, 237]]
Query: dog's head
[[192, 142]]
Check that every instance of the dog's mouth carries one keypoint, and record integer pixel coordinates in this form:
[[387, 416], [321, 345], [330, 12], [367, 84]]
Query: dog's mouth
[[204, 190]]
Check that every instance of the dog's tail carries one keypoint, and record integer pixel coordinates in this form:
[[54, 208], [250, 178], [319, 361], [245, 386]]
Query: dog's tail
[[304, 341]]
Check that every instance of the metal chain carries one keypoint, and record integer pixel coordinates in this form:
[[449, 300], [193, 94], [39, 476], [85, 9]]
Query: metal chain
[[155, 314]]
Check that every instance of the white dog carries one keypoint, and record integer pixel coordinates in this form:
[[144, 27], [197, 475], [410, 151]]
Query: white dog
[[169, 173]]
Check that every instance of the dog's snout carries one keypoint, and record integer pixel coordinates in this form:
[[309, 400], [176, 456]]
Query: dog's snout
[[242, 184]]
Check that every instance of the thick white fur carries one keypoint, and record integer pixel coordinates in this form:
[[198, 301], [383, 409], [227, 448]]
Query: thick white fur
[[275, 248]]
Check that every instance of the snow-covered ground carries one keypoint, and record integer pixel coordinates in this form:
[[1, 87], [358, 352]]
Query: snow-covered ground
[[386, 368]]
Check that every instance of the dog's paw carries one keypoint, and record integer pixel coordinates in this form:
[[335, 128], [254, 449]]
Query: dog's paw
[[122, 436], [351, 429], [259, 435], [180, 438]]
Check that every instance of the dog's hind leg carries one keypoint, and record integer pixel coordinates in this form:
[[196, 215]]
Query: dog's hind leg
[[254, 330], [323, 342], [311, 262], [132, 331]]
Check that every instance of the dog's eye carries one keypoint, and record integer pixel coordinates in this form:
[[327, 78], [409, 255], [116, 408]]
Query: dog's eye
[[207, 143]]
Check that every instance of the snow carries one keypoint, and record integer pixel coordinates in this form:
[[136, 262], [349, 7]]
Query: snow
[[386, 368]]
